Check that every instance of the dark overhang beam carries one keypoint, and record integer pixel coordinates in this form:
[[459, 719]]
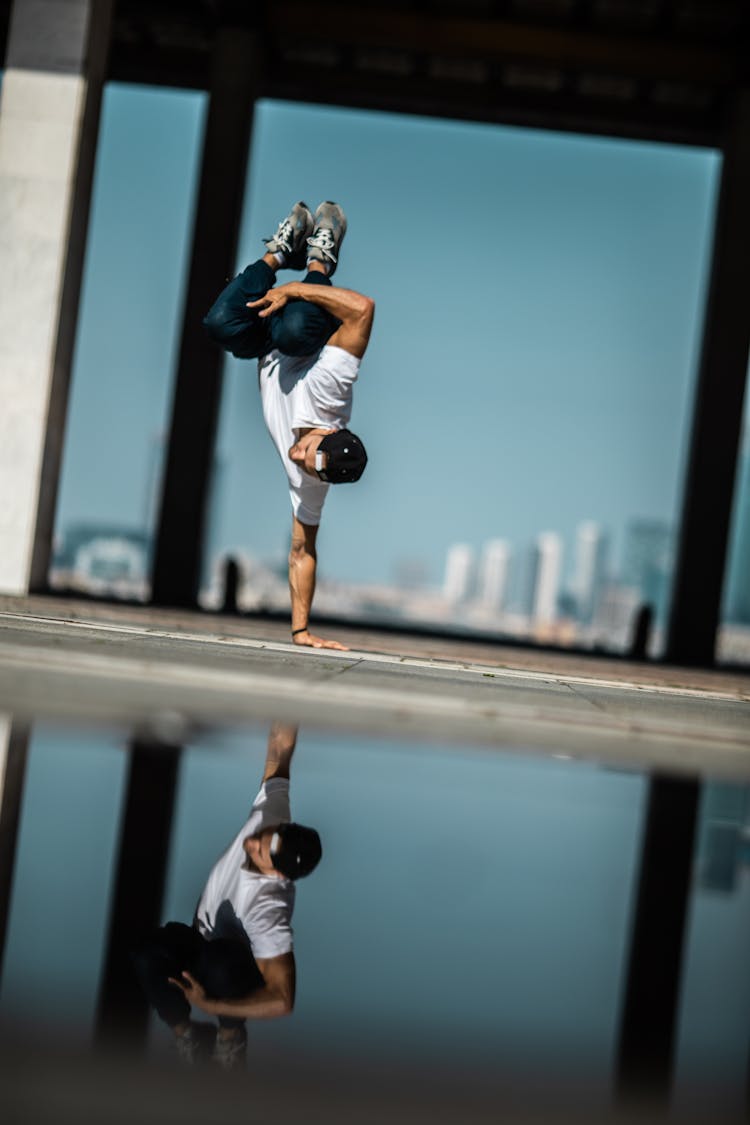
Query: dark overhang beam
[[577, 73], [639, 56], [512, 104]]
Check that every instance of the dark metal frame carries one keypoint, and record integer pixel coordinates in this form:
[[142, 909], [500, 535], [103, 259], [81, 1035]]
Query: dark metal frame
[[197, 395]]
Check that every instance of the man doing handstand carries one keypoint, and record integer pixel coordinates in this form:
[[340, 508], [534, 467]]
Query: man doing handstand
[[309, 337]]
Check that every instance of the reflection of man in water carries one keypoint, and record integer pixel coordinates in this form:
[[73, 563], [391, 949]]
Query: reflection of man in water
[[236, 961]]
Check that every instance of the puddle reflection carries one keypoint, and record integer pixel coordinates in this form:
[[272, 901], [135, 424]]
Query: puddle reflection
[[468, 926], [235, 961]]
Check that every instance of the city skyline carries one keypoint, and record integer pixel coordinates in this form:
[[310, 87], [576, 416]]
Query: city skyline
[[493, 591], [500, 576]]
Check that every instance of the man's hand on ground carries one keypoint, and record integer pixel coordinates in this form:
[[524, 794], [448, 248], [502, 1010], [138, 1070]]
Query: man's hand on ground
[[309, 640]]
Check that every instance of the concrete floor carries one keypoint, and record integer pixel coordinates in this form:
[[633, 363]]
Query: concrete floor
[[169, 672]]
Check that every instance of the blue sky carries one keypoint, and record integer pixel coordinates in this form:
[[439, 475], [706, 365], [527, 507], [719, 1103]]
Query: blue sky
[[539, 303]]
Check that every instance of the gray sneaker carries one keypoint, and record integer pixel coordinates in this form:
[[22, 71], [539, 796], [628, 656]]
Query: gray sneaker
[[196, 1044], [291, 236], [326, 239], [229, 1054]]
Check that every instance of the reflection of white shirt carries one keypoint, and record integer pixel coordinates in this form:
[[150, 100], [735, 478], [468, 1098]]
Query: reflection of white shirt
[[306, 391], [237, 903]]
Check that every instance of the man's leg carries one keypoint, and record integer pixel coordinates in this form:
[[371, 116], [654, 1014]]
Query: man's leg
[[302, 328], [230, 323], [169, 951], [228, 971]]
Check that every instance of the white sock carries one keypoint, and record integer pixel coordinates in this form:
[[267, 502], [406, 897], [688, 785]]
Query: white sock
[[280, 256], [325, 265]]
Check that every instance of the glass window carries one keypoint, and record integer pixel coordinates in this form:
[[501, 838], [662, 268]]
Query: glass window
[[139, 243], [526, 395]]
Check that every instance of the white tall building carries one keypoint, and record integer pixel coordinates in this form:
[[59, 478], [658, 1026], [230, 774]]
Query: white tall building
[[548, 550], [493, 574], [459, 573], [588, 577]]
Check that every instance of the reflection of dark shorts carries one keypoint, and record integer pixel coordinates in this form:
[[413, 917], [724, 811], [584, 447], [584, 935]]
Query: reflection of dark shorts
[[300, 328], [225, 968]]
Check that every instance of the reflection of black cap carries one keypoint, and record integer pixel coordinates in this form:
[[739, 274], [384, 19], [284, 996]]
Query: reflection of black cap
[[295, 850], [346, 457]]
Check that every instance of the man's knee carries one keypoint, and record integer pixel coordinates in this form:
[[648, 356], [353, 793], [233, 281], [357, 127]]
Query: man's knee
[[293, 332], [236, 332], [222, 323], [229, 970]]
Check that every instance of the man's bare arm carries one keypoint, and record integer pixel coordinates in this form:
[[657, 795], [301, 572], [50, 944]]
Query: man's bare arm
[[302, 568], [274, 999], [354, 310], [282, 739]]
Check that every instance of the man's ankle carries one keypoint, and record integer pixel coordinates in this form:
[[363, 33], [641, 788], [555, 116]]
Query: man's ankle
[[315, 266]]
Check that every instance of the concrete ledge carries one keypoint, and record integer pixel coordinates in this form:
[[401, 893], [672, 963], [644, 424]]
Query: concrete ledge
[[147, 668]]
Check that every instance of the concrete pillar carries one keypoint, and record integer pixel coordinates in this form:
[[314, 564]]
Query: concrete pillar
[[49, 110]]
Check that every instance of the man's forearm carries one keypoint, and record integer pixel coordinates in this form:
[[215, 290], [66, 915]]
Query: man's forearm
[[345, 304], [265, 1004], [282, 739], [302, 568], [302, 564]]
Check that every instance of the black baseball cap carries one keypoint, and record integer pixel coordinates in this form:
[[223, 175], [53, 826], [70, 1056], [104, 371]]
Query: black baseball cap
[[346, 457], [295, 850]]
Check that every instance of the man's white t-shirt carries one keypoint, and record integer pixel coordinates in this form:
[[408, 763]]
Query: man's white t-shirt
[[298, 392], [238, 903]]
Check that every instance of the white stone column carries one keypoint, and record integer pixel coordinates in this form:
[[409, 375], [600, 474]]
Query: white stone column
[[40, 116], [49, 103]]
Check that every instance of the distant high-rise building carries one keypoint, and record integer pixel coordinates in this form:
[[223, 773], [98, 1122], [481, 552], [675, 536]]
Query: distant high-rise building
[[493, 574], [647, 565], [615, 615], [411, 573], [548, 565], [589, 575], [459, 573]]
